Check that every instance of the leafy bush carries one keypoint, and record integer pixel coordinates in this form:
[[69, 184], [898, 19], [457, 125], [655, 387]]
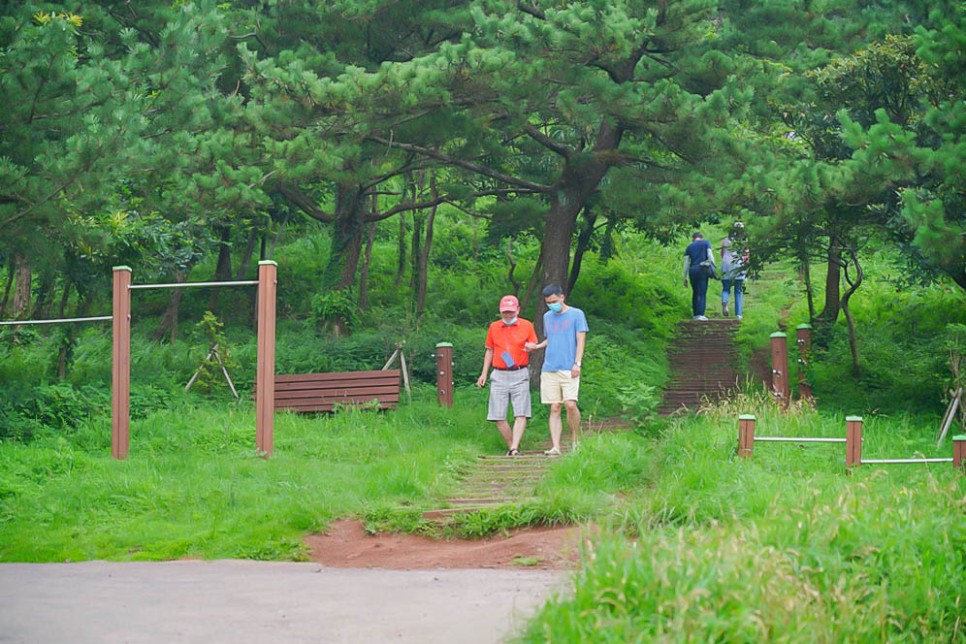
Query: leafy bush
[[611, 291], [59, 406], [903, 352]]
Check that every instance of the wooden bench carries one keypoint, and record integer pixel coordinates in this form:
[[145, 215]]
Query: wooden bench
[[323, 391]]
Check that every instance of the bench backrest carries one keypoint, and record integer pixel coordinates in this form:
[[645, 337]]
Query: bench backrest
[[322, 391]]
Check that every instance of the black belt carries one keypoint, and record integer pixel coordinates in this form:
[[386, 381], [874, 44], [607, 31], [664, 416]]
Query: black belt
[[516, 368]]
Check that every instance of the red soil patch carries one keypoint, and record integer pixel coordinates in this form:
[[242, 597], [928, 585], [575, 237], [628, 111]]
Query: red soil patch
[[347, 545]]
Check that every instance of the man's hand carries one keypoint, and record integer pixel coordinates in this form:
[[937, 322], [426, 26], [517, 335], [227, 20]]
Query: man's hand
[[481, 381], [685, 283]]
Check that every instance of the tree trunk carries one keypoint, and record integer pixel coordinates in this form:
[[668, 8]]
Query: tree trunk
[[367, 258], [832, 280], [246, 258], [21, 293], [223, 267], [6, 290], [364, 273], [169, 321], [401, 245], [346, 247], [64, 298], [579, 179], [345, 250], [65, 356], [416, 250], [531, 295], [513, 267], [41, 306], [583, 242], [853, 287], [423, 263], [805, 270]]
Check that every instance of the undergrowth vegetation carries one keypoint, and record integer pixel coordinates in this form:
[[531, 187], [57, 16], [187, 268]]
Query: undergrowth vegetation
[[688, 541]]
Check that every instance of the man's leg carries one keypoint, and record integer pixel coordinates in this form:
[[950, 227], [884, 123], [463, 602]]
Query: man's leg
[[505, 432], [519, 424], [573, 419], [556, 424], [701, 293], [725, 287], [739, 285]]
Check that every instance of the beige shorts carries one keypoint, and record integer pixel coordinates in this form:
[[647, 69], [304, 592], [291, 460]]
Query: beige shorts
[[558, 386]]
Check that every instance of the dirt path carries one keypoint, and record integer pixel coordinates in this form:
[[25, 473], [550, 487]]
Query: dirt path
[[347, 545]]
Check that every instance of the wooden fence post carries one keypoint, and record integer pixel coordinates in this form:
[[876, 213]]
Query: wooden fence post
[[121, 364], [746, 435], [803, 339], [853, 441], [265, 369], [959, 452], [444, 374], [779, 368]]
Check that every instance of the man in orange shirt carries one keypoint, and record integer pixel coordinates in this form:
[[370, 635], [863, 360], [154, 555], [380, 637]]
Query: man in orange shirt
[[510, 382]]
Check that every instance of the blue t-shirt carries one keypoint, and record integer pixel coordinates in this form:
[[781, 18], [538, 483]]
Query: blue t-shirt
[[561, 331], [698, 252]]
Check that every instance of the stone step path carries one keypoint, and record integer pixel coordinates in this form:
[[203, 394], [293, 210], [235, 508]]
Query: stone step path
[[493, 480], [703, 360]]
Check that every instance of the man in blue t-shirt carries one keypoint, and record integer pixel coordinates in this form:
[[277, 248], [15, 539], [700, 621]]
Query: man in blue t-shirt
[[565, 331]]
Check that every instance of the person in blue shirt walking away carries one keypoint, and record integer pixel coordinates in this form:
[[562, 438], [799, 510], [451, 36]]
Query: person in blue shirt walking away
[[699, 250], [565, 336]]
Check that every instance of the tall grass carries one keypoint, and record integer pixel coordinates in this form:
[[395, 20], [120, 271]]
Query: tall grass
[[785, 545]]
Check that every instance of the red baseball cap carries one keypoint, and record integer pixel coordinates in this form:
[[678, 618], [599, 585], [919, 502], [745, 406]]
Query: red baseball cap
[[509, 303]]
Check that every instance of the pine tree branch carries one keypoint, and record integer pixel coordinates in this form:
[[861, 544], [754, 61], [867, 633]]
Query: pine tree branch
[[463, 163], [306, 205], [547, 142]]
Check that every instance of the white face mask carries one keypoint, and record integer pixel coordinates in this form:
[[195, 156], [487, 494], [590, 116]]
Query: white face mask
[[510, 322]]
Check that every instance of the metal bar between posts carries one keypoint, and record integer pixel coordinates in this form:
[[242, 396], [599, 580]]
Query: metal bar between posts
[[886, 461], [99, 318], [187, 284], [792, 439]]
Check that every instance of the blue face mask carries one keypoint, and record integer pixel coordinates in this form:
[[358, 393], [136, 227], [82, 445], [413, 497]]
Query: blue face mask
[[509, 322], [555, 306]]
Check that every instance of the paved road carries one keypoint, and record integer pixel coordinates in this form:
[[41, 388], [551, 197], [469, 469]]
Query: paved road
[[246, 601]]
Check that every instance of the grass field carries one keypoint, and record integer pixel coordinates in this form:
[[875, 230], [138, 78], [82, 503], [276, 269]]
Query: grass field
[[692, 542]]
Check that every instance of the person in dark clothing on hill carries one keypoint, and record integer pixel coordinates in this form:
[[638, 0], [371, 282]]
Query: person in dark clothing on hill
[[699, 250]]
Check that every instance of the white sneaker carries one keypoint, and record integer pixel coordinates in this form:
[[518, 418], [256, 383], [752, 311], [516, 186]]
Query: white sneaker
[[700, 317], [737, 317], [724, 309]]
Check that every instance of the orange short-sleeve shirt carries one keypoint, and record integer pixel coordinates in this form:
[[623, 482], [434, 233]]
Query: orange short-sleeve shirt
[[511, 339]]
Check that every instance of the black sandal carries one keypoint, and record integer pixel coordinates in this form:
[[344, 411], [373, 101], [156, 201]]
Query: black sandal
[[513, 452]]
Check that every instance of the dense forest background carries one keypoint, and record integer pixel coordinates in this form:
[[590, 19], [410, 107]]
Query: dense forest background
[[407, 162]]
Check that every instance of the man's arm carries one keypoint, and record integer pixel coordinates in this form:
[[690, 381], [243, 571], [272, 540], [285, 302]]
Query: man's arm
[[581, 343], [487, 361]]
